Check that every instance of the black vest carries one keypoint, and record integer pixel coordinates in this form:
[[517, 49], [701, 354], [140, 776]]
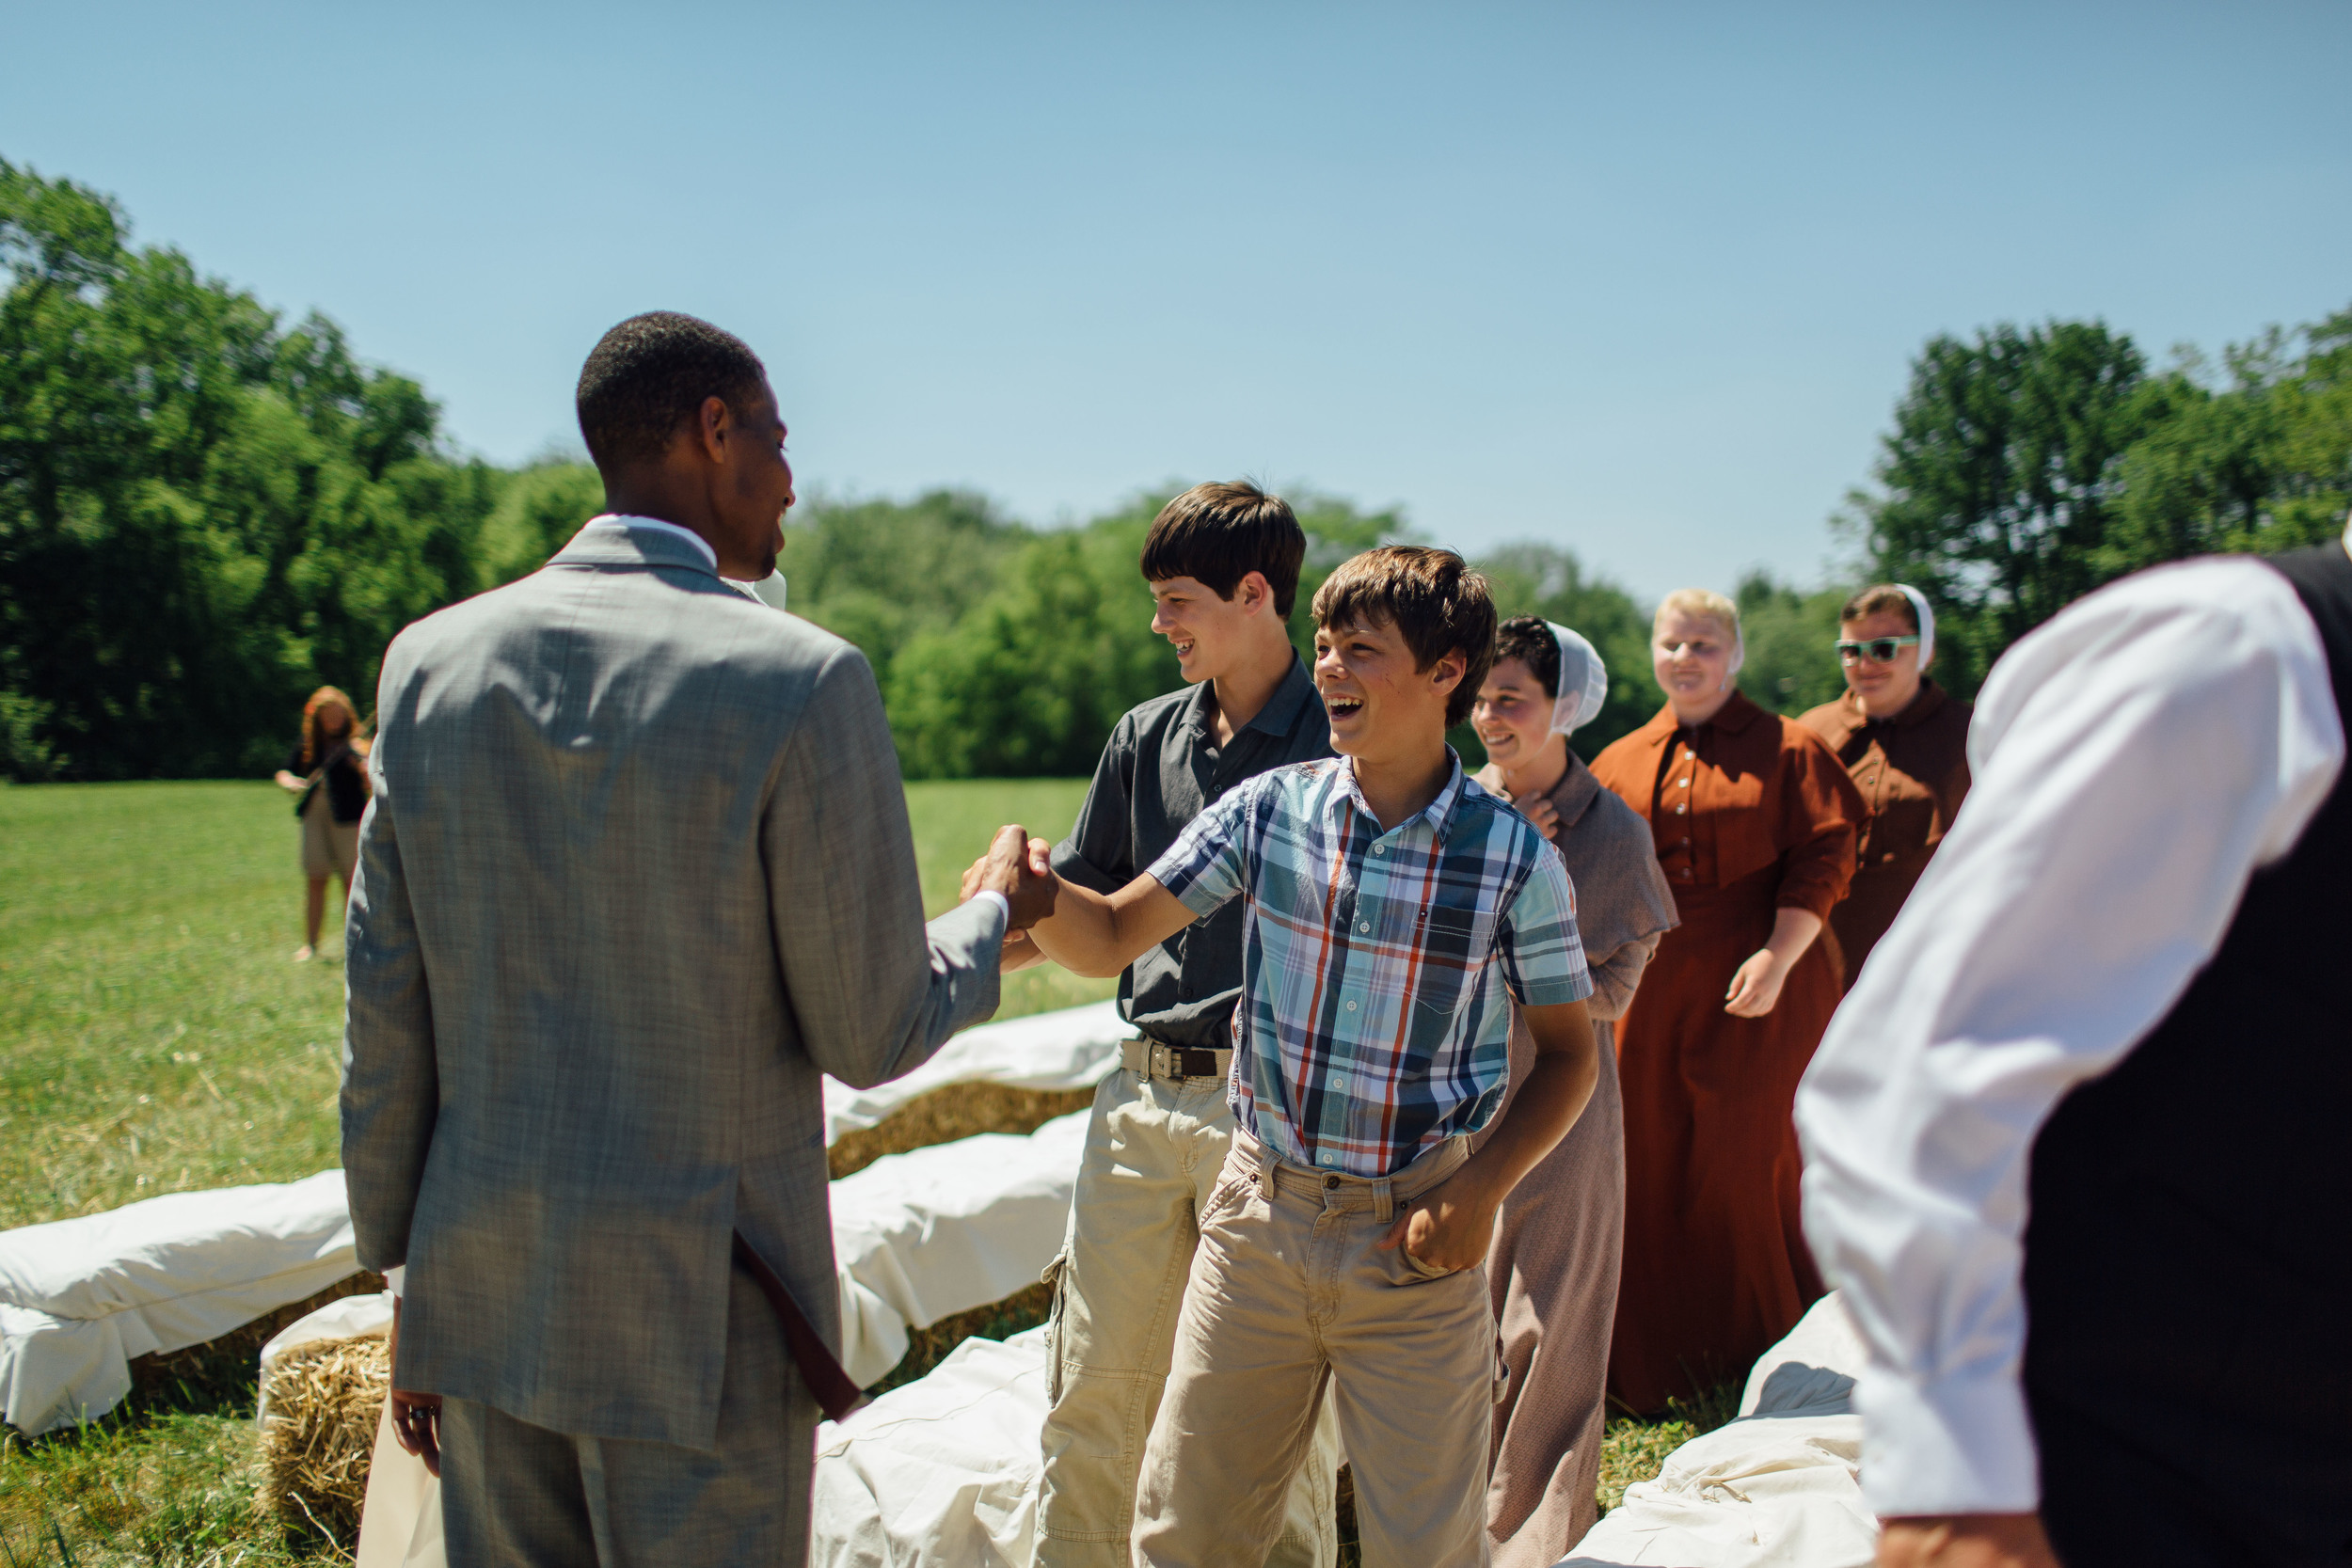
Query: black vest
[[2188, 1259]]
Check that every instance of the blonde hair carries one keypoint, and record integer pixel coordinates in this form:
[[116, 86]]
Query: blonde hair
[[1704, 603]]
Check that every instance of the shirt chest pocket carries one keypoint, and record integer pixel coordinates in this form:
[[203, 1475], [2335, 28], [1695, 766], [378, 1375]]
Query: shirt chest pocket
[[1454, 936]]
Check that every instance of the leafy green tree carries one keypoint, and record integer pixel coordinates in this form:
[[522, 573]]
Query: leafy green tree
[[202, 514], [882, 573], [2001, 477], [1790, 636], [2263, 463], [538, 511]]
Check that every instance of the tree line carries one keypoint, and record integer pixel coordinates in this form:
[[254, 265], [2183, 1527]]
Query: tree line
[[205, 511]]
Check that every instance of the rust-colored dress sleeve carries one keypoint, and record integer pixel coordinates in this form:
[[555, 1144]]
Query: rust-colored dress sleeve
[[1820, 813]]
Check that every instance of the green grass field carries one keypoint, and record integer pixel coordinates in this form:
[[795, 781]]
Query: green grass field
[[158, 1039]]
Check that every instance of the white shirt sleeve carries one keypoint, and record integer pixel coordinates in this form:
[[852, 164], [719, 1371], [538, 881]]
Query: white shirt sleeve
[[2135, 760]]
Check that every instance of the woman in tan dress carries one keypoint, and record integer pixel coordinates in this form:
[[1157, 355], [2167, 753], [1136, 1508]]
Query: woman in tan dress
[[327, 773], [1553, 1269], [1754, 823], [1905, 742]]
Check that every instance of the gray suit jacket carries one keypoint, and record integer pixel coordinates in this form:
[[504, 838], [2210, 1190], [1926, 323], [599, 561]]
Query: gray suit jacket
[[637, 872]]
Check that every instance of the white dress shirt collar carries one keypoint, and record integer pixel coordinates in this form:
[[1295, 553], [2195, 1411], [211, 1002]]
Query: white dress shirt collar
[[629, 520]]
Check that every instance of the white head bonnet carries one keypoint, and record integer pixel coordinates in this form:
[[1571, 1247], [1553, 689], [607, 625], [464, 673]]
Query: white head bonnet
[[1926, 618], [1584, 681]]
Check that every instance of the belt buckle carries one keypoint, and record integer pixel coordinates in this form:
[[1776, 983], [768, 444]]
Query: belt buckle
[[1161, 1066]]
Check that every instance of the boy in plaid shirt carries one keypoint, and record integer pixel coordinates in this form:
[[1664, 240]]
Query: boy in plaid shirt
[[1391, 903]]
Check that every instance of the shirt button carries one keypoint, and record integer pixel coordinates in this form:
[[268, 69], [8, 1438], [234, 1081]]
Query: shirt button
[[1380, 848], [1364, 926], [1686, 844], [1683, 810], [1684, 783], [1351, 1006]]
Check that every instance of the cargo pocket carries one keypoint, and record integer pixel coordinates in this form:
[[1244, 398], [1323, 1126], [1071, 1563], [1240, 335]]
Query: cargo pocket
[[1052, 1277]]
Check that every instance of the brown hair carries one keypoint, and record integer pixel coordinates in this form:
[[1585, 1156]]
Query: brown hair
[[1221, 533], [1884, 597], [314, 741], [1529, 639], [1434, 600]]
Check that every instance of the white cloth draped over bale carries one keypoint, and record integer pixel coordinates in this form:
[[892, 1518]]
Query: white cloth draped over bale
[[80, 1298], [1074, 1047]]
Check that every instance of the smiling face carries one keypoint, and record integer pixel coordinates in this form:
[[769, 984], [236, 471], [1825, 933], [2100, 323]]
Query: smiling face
[[1379, 705], [1690, 656], [1881, 690], [1513, 715], [1210, 634]]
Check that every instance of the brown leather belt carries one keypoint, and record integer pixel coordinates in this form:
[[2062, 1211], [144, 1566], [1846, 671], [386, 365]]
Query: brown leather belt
[[836, 1393], [1154, 1060]]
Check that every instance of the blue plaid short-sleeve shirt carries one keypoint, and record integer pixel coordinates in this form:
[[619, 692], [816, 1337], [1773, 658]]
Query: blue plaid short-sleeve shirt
[[1373, 1023]]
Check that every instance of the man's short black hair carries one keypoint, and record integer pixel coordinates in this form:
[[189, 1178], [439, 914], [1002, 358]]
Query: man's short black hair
[[649, 375], [1529, 638], [1221, 533]]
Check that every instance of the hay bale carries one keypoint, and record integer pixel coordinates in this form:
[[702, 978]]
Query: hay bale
[[326, 1398], [945, 1114]]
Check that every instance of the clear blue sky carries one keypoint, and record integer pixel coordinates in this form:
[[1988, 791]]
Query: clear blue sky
[[1639, 280]]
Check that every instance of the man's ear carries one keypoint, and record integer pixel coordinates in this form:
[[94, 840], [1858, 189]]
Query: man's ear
[[1253, 591], [714, 426]]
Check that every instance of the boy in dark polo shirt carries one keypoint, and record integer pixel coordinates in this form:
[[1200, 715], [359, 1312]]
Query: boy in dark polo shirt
[[1223, 564]]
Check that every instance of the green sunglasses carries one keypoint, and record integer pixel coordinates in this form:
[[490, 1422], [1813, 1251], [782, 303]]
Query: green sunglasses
[[1879, 650]]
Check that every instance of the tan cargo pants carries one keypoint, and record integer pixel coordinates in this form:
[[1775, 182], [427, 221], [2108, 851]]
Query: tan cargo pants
[[1291, 1295], [1153, 1151]]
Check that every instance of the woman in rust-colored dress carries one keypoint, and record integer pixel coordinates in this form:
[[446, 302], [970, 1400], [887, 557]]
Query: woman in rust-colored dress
[[1754, 820]]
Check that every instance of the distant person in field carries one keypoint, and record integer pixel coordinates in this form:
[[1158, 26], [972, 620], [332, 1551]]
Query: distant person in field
[[1223, 564], [1392, 911], [1904, 740], [1754, 821], [327, 773], [637, 875], [2076, 1145], [1553, 1270]]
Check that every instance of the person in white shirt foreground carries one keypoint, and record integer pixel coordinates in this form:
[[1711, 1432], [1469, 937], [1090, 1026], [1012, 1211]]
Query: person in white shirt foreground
[[2075, 1145]]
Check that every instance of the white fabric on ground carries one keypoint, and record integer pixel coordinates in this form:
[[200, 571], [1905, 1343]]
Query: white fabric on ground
[[941, 1473], [80, 1298], [1781, 1487], [919, 1235], [1073, 1049]]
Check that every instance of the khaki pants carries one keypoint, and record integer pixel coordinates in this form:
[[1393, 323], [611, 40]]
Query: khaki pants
[[1153, 1151], [1291, 1293]]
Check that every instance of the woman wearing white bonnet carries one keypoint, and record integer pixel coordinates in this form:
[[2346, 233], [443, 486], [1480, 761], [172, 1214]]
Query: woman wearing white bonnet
[[1905, 742], [1553, 1270]]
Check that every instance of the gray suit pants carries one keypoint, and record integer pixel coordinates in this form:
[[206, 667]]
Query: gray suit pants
[[517, 1494]]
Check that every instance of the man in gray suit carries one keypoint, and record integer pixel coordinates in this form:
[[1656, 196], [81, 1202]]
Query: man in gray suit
[[637, 873]]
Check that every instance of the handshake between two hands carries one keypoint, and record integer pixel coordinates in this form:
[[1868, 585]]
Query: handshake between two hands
[[1022, 869]]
